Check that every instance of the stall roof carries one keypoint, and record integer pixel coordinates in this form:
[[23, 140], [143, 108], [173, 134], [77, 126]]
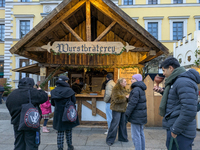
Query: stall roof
[[66, 22], [35, 69]]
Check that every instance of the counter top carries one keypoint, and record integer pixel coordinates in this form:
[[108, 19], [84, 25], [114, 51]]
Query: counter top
[[88, 95]]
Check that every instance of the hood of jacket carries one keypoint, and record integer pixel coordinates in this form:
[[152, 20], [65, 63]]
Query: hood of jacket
[[26, 83], [62, 90], [139, 84], [191, 74]]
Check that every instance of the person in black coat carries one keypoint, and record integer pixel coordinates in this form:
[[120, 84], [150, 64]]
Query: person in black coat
[[59, 96], [24, 140], [136, 112], [76, 86]]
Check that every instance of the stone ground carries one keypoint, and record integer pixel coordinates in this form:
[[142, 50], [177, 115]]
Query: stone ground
[[86, 137]]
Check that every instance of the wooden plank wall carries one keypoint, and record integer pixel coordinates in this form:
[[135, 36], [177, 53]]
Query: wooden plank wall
[[125, 58], [153, 102]]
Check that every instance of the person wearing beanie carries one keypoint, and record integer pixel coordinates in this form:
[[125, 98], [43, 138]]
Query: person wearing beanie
[[136, 112], [107, 97], [59, 97]]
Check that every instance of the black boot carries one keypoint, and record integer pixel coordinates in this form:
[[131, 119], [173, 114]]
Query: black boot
[[60, 148], [70, 147]]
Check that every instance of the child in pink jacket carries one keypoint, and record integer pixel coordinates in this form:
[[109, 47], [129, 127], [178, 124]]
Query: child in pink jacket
[[46, 110]]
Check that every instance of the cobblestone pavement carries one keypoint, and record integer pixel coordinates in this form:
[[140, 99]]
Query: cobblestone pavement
[[86, 137]]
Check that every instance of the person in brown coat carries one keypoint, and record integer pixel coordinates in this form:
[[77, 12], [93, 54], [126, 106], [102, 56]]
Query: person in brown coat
[[118, 107]]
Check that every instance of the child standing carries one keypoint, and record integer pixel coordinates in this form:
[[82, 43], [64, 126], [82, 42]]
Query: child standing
[[136, 112], [46, 110]]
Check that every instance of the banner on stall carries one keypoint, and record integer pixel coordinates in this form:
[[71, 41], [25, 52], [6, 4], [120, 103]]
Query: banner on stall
[[87, 47]]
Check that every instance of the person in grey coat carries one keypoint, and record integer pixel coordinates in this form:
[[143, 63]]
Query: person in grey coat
[[59, 96], [179, 103]]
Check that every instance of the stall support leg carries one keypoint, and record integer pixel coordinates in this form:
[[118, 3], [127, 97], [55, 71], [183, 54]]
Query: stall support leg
[[94, 109], [79, 110]]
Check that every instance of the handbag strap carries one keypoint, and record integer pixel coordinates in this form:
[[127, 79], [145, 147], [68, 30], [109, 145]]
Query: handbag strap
[[171, 143], [67, 103]]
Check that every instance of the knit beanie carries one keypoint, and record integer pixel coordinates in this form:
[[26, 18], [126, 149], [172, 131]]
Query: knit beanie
[[138, 77]]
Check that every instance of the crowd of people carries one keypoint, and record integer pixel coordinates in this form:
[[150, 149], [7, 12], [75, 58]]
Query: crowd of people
[[178, 108]]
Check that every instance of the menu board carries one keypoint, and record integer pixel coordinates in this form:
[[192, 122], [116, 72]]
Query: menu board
[[127, 73]]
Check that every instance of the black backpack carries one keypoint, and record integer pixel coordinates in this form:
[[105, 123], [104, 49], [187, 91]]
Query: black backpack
[[29, 117]]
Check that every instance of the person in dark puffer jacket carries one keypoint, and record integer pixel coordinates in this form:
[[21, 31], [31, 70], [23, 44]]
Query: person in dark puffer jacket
[[24, 140], [179, 103], [59, 96], [136, 111]]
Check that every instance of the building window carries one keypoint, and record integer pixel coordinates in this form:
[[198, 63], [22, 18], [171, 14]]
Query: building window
[[2, 32], [199, 25], [23, 63], [154, 26], [2, 3], [128, 2], [178, 1], [24, 27], [153, 29], [177, 30], [25, 0], [152, 2]]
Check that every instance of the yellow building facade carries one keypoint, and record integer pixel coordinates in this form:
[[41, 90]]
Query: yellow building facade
[[166, 20]]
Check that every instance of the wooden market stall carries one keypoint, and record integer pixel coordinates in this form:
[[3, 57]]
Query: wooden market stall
[[84, 35]]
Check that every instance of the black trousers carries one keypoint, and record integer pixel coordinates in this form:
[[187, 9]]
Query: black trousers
[[25, 140], [118, 120]]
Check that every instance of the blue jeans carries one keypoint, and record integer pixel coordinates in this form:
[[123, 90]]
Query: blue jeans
[[137, 133], [184, 143], [108, 114]]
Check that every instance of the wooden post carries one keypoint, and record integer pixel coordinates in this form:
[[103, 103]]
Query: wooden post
[[79, 109], [150, 101], [43, 71], [88, 21], [94, 109], [115, 77]]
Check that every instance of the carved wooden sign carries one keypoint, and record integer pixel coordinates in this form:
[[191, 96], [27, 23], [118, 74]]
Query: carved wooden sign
[[87, 47]]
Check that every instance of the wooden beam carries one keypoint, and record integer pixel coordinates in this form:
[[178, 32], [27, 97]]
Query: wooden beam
[[106, 10], [94, 108], [147, 56], [72, 31], [105, 31], [35, 49], [64, 16], [88, 105], [88, 21], [141, 49], [39, 58]]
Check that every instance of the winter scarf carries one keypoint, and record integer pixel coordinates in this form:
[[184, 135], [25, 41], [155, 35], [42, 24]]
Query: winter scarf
[[168, 82]]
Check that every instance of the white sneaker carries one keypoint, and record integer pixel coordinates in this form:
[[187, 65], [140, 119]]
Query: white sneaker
[[106, 132]]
